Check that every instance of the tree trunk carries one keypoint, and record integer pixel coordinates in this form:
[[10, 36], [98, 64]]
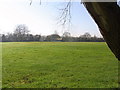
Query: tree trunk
[[107, 17]]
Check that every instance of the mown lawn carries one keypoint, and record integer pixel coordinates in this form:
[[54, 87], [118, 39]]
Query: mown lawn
[[58, 65]]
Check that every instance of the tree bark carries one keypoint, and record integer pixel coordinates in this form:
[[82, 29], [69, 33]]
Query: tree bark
[[107, 17]]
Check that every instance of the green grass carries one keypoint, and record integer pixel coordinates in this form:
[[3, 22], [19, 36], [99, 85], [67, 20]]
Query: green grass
[[58, 65]]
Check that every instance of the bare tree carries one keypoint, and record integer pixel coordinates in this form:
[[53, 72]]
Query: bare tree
[[67, 37], [20, 32], [86, 35]]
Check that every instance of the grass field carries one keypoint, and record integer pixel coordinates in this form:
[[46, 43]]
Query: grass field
[[58, 65]]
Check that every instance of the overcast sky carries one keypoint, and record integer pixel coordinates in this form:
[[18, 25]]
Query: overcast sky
[[42, 19]]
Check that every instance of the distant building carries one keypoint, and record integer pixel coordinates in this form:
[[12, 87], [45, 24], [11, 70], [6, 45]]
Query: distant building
[[53, 37]]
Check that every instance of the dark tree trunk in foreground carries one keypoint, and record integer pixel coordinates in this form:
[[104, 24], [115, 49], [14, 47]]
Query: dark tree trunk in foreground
[[107, 17]]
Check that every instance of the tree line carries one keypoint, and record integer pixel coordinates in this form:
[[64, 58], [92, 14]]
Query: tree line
[[21, 34]]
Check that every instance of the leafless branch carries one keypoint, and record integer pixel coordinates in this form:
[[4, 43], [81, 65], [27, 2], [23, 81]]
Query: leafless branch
[[40, 2], [32, 0], [65, 16]]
